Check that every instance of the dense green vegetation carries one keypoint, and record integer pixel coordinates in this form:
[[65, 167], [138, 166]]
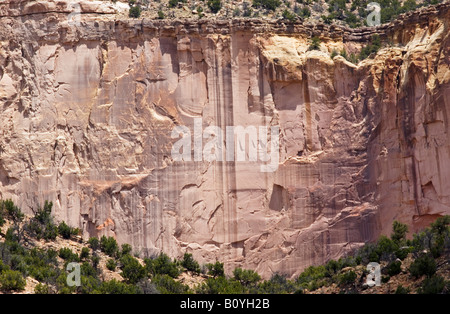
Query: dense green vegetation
[[288, 15], [315, 44], [354, 13], [173, 3], [270, 5], [161, 15], [135, 9], [159, 274], [367, 51], [372, 47], [214, 5]]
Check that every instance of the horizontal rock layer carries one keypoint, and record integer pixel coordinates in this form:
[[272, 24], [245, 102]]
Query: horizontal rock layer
[[89, 103]]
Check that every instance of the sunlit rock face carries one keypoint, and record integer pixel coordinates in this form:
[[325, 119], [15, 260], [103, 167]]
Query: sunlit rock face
[[93, 106]]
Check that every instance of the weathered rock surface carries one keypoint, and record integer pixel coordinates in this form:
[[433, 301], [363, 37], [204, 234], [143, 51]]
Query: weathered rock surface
[[88, 106]]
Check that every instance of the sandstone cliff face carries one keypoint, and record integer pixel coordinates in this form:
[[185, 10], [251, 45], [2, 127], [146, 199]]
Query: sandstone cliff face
[[88, 108]]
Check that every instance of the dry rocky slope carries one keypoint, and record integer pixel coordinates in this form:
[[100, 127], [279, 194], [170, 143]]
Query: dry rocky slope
[[88, 103]]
